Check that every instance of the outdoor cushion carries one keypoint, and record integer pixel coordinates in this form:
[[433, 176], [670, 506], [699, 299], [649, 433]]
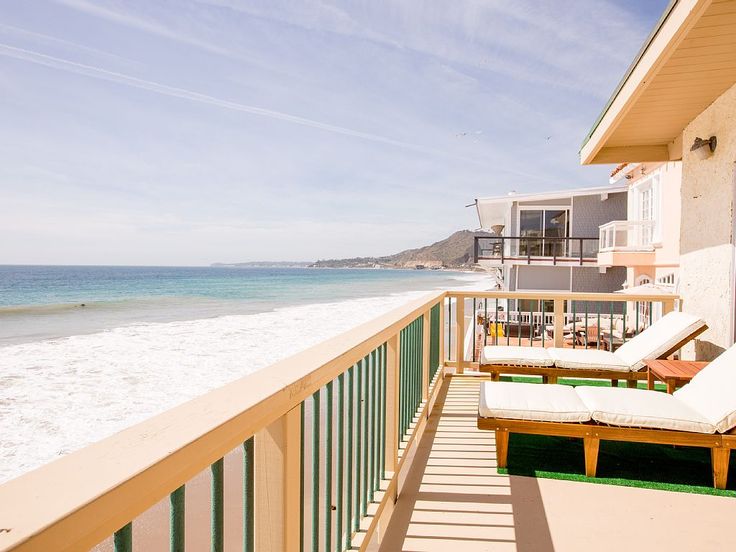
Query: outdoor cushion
[[592, 359], [625, 407], [515, 356], [712, 392], [531, 401], [658, 338]]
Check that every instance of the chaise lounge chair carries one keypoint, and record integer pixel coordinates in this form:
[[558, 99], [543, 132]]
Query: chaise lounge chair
[[701, 414], [661, 339]]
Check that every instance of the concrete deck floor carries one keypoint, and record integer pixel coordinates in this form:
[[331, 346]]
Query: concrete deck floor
[[454, 496]]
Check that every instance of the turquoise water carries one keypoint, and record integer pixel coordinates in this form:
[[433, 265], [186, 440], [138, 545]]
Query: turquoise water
[[41, 302]]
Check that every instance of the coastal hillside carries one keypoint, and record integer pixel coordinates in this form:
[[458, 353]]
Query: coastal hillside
[[455, 251]]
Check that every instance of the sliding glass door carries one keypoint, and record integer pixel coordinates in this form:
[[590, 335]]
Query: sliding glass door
[[537, 224]]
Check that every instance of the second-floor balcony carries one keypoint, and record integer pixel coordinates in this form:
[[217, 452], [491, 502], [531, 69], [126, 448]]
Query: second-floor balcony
[[538, 250], [626, 243]]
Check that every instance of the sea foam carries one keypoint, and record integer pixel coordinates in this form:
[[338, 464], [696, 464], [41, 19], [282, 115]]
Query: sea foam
[[59, 395]]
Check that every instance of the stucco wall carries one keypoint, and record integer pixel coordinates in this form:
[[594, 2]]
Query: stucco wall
[[706, 232], [589, 212]]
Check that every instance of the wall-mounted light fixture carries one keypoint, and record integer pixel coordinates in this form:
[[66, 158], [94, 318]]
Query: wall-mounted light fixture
[[704, 148]]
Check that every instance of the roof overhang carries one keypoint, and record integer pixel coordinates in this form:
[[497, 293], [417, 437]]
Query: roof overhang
[[688, 61]]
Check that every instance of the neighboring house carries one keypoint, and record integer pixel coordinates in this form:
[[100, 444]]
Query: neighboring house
[[549, 241], [647, 242], [678, 102]]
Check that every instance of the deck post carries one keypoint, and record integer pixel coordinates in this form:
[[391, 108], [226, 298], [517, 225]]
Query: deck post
[[668, 305], [559, 312], [391, 442], [460, 334], [426, 332], [442, 334], [277, 484]]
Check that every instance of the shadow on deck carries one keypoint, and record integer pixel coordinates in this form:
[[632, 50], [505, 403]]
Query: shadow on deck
[[453, 494]]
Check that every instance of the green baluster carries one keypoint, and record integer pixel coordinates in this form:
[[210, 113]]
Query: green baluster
[[248, 490], [340, 459], [218, 507], [328, 468], [315, 470], [123, 539], [176, 520]]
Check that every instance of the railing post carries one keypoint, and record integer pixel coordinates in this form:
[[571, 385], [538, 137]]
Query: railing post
[[391, 442], [668, 305], [559, 338], [442, 334], [277, 484], [426, 333], [460, 334]]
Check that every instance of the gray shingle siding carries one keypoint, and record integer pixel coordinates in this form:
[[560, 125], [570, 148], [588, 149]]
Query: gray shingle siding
[[589, 212]]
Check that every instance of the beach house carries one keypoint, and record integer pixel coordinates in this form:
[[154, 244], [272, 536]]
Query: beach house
[[549, 241], [677, 102], [647, 242]]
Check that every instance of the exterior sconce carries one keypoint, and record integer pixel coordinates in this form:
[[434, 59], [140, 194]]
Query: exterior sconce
[[704, 148]]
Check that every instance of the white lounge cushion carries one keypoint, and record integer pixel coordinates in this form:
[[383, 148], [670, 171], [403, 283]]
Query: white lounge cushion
[[592, 359], [515, 356], [625, 407], [712, 392], [658, 338], [531, 401]]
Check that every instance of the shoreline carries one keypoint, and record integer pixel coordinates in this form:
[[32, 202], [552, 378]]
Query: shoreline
[[60, 395]]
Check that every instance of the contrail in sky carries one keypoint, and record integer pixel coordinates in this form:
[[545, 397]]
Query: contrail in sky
[[175, 92], [166, 90]]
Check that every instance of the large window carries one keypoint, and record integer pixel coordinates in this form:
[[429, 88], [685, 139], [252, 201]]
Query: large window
[[543, 230]]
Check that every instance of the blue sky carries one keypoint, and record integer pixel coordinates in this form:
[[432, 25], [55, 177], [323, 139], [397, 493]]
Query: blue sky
[[188, 132]]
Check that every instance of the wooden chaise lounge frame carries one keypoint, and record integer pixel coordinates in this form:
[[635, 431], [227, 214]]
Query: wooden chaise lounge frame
[[551, 373], [592, 433]]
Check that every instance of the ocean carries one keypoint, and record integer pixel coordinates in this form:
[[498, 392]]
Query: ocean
[[88, 351]]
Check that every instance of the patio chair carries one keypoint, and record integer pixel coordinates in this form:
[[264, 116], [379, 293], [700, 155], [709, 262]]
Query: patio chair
[[701, 414], [661, 339]]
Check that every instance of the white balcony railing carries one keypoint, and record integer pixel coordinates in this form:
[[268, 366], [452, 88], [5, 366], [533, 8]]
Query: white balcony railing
[[626, 235]]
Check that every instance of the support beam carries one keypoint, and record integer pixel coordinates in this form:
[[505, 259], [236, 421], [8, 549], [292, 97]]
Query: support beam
[[391, 452], [460, 334], [559, 312], [277, 484], [426, 333]]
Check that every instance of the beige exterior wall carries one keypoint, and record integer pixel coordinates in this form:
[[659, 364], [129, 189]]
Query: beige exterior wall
[[706, 236], [666, 256]]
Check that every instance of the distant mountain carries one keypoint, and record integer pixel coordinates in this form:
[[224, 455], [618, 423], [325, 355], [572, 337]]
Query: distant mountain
[[455, 251]]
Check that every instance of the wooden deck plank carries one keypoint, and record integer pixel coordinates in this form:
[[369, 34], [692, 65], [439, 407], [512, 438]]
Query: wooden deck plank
[[455, 499]]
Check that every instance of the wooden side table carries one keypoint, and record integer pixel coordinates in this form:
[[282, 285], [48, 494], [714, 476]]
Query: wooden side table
[[673, 373]]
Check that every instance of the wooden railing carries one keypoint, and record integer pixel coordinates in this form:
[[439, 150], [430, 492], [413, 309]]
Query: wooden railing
[[323, 439], [559, 319], [322, 435]]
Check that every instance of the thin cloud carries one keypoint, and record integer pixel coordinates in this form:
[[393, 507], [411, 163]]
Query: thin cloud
[[172, 91], [175, 92]]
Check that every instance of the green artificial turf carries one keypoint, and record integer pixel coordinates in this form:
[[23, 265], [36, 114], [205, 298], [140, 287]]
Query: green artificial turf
[[666, 467]]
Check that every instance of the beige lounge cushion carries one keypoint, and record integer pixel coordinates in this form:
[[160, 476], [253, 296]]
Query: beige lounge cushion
[[515, 356], [619, 406], [712, 392], [591, 359], [531, 401], [658, 338]]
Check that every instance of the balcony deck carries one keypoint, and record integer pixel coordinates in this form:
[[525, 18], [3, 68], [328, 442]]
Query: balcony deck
[[453, 496]]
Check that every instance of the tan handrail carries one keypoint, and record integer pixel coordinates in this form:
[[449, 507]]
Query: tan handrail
[[78, 500]]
